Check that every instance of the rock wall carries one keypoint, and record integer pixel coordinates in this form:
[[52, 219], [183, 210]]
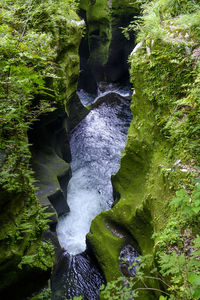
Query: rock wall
[[161, 152], [105, 49], [26, 256], [159, 156]]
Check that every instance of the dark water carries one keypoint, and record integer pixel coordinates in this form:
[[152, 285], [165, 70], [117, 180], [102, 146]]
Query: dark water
[[96, 145], [76, 275]]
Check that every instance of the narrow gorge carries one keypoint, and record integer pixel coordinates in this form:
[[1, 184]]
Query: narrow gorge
[[99, 156]]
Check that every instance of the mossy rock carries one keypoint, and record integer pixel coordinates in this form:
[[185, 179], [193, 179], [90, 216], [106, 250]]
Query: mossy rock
[[22, 221], [148, 175], [20, 231], [68, 41], [108, 48], [99, 31], [105, 245]]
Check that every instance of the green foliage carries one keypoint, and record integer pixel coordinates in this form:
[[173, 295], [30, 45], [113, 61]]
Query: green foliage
[[42, 259], [172, 85], [187, 206], [119, 289], [44, 295], [165, 70], [165, 19], [184, 272], [178, 250], [127, 288], [29, 36], [32, 35], [177, 255]]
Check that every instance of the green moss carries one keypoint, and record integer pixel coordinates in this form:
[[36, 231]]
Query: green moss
[[121, 8], [68, 40], [48, 166], [112, 230], [99, 31], [44, 295], [22, 224], [42, 68], [106, 246], [161, 153]]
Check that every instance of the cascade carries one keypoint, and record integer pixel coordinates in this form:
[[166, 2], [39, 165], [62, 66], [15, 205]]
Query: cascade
[[96, 146]]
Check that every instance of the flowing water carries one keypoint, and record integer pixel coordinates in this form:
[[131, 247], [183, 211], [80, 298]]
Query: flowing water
[[96, 146]]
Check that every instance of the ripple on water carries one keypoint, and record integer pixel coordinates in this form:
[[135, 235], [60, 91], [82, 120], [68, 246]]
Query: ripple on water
[[96, 145]]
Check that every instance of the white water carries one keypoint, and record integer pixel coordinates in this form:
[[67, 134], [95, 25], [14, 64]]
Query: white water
[[88, 99], [96, 145]]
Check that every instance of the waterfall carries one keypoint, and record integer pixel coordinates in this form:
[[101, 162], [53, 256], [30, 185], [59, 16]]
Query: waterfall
[[96, 146]]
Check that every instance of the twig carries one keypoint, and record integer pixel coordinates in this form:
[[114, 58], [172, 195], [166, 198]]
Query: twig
[[152, 289], [151, 277], [144, 284]]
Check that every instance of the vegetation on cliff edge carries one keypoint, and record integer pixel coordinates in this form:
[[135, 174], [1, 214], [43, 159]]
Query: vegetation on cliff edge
[[165, 71], [33, 35]]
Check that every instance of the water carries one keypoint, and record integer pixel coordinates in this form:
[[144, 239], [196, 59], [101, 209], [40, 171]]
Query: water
[[96, 145], [74, 276], [103, 90], [128, 261]]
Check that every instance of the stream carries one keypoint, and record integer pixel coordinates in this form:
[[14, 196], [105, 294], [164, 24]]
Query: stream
[[96, 146]]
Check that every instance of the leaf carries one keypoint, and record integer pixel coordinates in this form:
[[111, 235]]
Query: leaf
[[162, 298], [154, 270], [194, 279], [196, 294], [196, 210], [181, 193], [197, 180]]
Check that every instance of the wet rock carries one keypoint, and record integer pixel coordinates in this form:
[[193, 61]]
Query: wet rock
[[108, 49], [59, 203], [75, 276], [127, 259]]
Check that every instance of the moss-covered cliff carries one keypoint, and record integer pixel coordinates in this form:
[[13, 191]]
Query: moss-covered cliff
[[108, 49], [99, 30], [39, 73], [162, 151]]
